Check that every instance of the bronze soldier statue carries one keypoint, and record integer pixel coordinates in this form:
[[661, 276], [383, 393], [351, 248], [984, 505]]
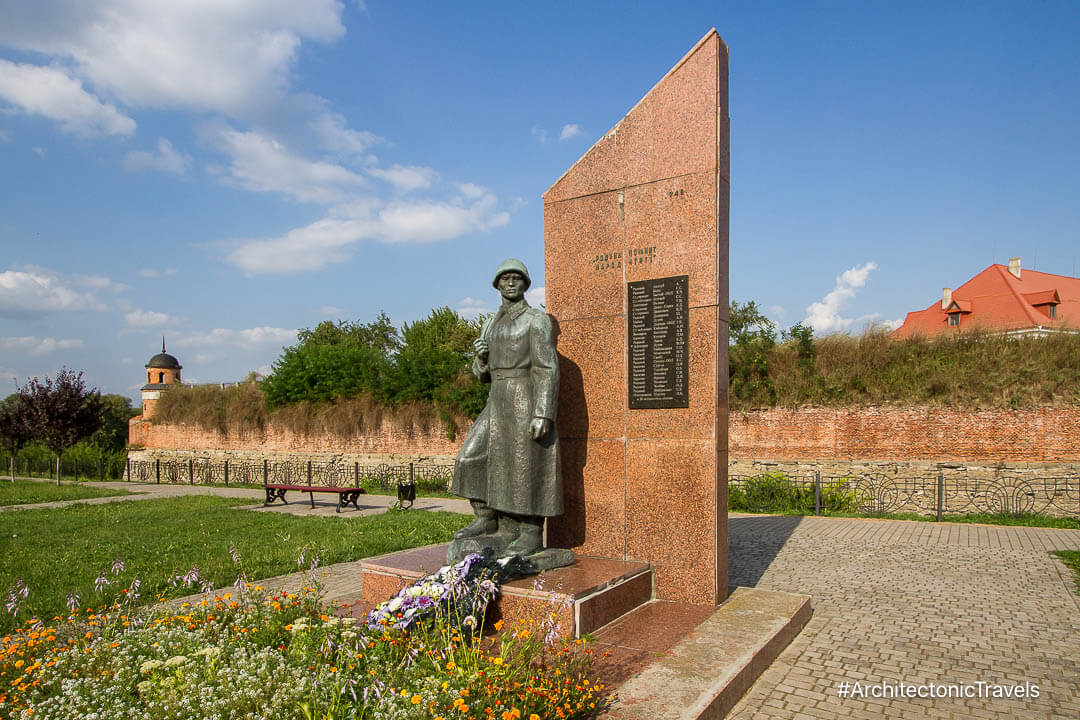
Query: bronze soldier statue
[[508, 465]]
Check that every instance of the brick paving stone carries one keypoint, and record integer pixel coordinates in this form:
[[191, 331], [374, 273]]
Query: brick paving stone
[[918, 602]]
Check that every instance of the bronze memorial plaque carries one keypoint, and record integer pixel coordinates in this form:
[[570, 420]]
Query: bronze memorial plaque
[[659, 344]]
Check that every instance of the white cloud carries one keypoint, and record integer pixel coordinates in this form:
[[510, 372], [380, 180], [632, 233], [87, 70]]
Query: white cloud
[[147, 319], [536, 296], [330, 310], [406, 177], [539, 133], [36, 291], [571, 130], [52, 93], [333, 135], [229, 57], [99, 282], [328, 240], [893, 324], [36, 345], [825, 316], [251, 337], [471, 307], [153, 273], [166, 159], [263, 164], [40, 152]]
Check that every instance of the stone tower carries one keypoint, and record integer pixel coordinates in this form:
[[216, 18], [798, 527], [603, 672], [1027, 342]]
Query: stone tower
[[162, 370]]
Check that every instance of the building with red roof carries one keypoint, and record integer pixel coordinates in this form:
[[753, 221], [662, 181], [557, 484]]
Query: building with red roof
[[1002, 299]]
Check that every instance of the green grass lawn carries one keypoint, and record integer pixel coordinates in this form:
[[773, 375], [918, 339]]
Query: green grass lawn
[[26, 492], [56, 551], [1072, 559]]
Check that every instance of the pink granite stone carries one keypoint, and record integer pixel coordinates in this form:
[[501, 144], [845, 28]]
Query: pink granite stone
[[594, 517], [592, 392], [648, 200]]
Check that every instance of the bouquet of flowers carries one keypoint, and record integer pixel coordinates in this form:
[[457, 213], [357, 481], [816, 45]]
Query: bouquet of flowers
[[461, 592]]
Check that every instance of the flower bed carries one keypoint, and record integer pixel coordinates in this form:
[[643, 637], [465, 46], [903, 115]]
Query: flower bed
[[285, 655]]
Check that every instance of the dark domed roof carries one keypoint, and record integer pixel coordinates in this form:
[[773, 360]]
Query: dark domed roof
[[164, 360]]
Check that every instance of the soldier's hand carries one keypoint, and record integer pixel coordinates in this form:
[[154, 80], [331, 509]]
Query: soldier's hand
[[481, 347], [539, 428]]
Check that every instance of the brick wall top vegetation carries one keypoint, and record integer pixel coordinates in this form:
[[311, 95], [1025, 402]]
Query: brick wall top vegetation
[[345, 379], [969, 370]]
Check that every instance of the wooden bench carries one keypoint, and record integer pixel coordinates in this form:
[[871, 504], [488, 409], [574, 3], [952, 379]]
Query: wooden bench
[[346, 495]]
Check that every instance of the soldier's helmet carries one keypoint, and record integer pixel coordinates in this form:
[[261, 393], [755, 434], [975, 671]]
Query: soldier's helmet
[[511, 264]]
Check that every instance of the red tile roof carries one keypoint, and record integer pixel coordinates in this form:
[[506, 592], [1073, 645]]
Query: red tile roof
[[995, 299]]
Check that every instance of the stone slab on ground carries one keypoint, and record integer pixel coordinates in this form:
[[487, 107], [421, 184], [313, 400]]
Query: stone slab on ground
[[708, 671]]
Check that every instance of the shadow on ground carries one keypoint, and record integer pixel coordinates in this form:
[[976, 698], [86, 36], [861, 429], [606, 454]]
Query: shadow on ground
[[754, 541]]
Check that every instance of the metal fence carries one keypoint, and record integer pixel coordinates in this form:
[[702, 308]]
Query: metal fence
[[105, 467], [878, 494], [240, 473]]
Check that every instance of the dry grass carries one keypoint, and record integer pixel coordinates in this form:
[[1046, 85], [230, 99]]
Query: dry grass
[[243, 409], [969, 371], [239, 408]]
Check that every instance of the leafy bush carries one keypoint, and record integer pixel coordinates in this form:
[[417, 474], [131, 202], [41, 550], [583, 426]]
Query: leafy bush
[[777, 493]]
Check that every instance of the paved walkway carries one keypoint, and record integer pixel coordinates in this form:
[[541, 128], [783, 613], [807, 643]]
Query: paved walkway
[[918, 602]]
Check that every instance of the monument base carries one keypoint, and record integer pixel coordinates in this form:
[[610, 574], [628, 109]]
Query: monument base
[[671, 660], [584, 596], [546, 559]]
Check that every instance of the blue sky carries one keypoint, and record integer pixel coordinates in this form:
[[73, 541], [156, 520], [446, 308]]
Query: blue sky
[[226, 172]]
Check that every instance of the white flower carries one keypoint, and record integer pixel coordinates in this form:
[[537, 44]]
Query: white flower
[[176, 661], [150, 666], [394, 605]]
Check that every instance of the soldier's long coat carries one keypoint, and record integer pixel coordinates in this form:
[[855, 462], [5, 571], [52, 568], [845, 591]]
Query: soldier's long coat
[[499, 462]]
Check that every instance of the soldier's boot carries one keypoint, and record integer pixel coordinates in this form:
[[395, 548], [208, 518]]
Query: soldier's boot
[[484, 523], [530, 538], [508, 527]]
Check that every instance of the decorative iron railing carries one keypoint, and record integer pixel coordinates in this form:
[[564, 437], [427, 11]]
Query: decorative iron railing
[[879, 494], [253, 473]]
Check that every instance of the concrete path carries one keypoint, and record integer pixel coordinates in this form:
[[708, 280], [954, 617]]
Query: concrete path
[[916, 602], [325, 503]]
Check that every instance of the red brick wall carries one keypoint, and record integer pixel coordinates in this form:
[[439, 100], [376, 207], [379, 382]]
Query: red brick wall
[[881, 433], [389, 439], [921, 433]]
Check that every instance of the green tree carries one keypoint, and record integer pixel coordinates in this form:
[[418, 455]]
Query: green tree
[[434, 360], [323, 373], [116, 410], [751, 337], [803, 337], [62, 411], [15, 426], [379, 334]]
